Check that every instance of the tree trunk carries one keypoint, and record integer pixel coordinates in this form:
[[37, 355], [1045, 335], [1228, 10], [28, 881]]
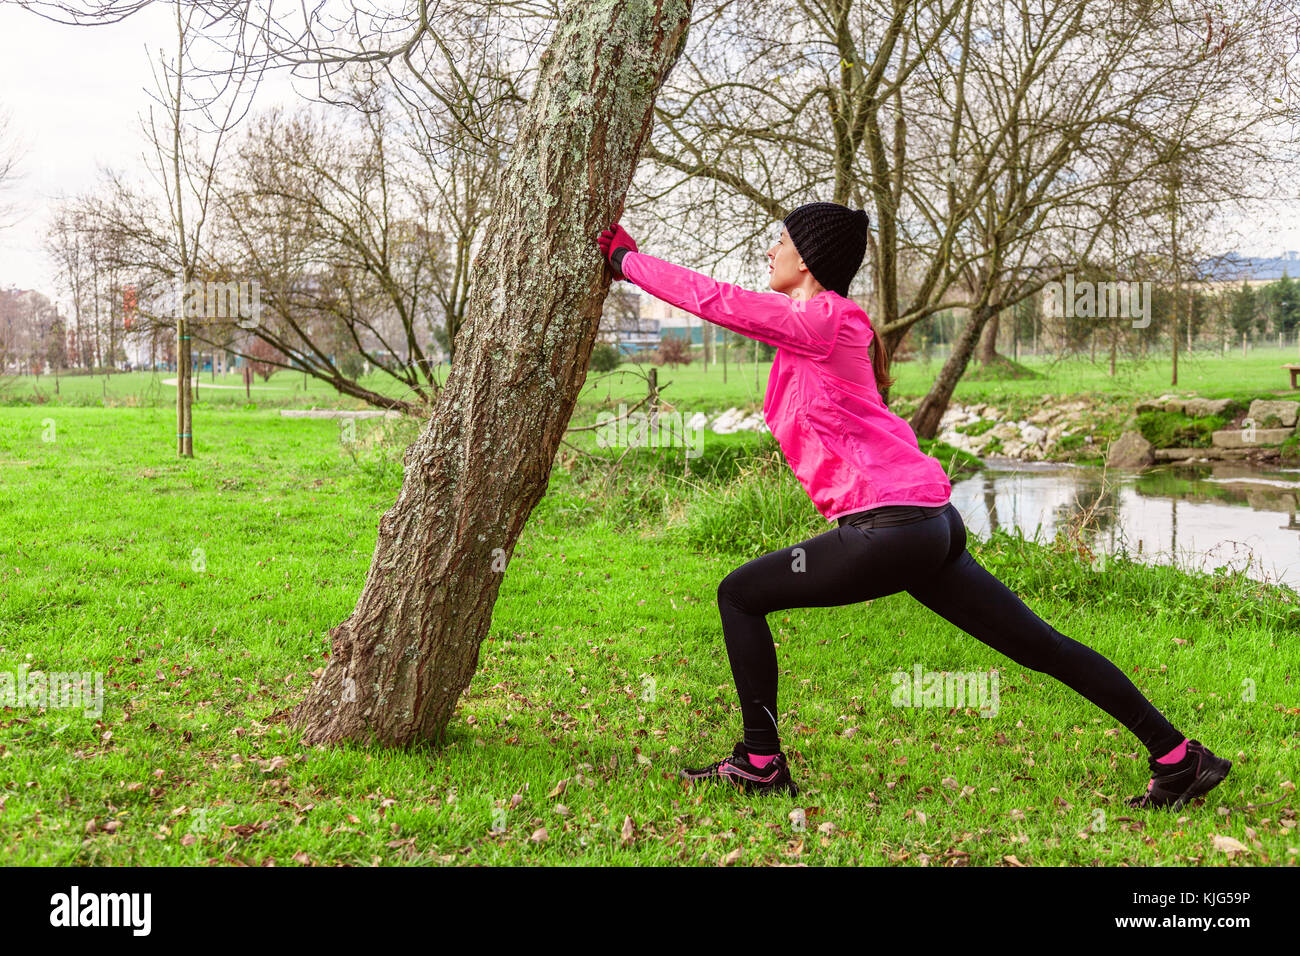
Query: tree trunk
[[184, 412], [925, 420], [989, 342], [410, 647]]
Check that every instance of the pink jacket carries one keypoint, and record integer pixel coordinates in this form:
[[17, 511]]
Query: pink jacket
[[847, 449]]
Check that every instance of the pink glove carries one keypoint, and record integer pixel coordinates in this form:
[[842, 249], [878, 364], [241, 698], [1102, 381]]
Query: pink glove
[[614, 244]]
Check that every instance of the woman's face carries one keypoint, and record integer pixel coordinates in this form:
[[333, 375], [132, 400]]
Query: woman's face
[[785, 266]]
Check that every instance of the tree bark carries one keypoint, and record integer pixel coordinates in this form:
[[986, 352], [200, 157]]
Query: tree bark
[[925, 420], [410, 647], [989, 342]]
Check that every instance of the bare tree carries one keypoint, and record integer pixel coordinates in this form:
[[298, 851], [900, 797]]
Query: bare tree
[[66, 243], [10, 155], [186, 159], [359, 239]]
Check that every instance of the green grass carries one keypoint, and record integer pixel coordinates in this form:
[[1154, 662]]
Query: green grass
[[284, 389], [203, 590], [1175, 430], [977, 428], [1204, 372]]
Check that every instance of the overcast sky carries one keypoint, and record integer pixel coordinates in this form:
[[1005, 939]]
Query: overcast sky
[[75, 95]]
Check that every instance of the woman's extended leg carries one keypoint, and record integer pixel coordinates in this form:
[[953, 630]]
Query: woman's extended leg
[[842, 566], [973, 599]]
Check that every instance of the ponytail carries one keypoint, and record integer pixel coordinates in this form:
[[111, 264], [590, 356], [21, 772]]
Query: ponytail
[[880, 366]]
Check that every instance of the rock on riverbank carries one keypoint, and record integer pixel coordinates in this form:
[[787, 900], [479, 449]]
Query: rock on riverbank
[[985, 430]]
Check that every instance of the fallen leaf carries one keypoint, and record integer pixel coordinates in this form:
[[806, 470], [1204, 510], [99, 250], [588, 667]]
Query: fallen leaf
[[1229, 845]]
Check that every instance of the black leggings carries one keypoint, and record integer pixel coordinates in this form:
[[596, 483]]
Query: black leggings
[[928, 559]]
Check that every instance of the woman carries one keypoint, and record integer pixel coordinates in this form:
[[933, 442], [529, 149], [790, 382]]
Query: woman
[[861, 465]]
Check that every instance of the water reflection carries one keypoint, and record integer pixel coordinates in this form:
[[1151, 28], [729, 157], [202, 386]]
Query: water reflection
[[1197, 516]]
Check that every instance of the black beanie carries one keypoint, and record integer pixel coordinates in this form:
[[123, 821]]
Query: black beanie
[[832, 241]]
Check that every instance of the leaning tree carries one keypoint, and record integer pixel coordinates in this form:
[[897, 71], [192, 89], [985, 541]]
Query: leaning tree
[[410, 647]]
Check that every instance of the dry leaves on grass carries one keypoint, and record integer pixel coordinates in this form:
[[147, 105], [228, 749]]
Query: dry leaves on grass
[[1229, 845]]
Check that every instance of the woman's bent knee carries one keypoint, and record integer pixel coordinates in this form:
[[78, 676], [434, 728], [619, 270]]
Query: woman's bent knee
[[731, 589]]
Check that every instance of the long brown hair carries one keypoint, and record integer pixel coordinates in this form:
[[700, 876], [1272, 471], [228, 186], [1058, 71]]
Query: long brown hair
[[880, 366]]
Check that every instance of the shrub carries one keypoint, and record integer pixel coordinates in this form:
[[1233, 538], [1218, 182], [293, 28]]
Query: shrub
[[351, 366], [604, 358], [673, 350]]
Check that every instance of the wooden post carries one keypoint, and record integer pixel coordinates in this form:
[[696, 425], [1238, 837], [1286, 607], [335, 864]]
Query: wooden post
[[654, 399]]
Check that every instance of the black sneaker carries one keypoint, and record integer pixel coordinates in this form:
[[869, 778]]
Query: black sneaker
[[1172, 785], [737, 770]]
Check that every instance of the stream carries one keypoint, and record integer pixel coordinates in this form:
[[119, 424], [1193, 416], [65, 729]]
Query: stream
[[1194, 516]]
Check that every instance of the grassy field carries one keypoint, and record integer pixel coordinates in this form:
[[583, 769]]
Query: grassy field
[[697, 388], [203, 590]]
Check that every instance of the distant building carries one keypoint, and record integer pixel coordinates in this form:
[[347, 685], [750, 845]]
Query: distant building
[[630, 334], [1231, 270], [670, 320]]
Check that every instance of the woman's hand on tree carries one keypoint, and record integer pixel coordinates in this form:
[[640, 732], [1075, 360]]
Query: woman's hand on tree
[[614, 244]]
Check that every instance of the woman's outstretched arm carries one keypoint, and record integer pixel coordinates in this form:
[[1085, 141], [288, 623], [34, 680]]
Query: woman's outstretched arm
[[806, 328]]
